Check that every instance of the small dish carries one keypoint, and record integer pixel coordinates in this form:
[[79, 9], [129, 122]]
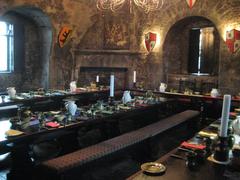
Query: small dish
[[197, 93], [153, 168]]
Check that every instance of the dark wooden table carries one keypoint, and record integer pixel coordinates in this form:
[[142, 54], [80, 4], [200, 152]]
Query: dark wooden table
[[19, 145], [178, 170], [30, 101], [30, 135], [210, 107]]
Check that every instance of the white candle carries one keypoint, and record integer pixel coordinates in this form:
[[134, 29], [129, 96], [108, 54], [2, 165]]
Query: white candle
[[112, 86], [97, 78], [225, 115], [134, 76]]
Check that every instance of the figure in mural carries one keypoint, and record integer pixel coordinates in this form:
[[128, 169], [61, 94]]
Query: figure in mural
[[116, 35]]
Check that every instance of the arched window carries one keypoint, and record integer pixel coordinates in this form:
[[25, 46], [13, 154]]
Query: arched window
[[6, 47]]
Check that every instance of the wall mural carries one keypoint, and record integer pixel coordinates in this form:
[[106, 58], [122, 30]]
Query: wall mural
[[233, 40], [64, 35], [116, 33]]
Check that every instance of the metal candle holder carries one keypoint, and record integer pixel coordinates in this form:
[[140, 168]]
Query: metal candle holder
[[111, 100], [221, 152], [135, 85]]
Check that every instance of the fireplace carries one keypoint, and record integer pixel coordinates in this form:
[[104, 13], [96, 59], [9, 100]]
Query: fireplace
[[88, 74]]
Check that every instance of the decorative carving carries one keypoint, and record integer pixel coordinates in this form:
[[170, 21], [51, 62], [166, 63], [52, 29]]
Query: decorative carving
[[116, 33]]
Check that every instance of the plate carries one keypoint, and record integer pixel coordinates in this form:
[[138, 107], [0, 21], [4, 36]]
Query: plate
[[153, 168], [13, 132], [107, 112]]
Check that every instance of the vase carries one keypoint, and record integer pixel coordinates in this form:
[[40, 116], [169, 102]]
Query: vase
[[162, 87], [73, 86], [214, 92], [71, 107], [236, 125], [126, 97], [11, 92]]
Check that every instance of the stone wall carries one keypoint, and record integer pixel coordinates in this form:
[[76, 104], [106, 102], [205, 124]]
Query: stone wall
[[88, 33]]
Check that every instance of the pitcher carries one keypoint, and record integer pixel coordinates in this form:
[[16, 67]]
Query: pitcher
[[71, 107], [162, 87], [236, 125], [11, 92], [214, 92], [126, 97], [73, 86]]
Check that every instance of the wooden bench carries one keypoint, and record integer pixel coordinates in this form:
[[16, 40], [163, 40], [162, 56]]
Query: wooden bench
[[66, 166]]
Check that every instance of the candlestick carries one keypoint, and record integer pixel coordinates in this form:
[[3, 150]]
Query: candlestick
[[225, 115], [134, 76], [112, 86], [97, 78]]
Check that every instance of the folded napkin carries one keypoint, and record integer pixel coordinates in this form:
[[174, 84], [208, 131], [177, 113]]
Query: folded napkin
[[13, 132], [208, 134], [52, 124], [141, 105], [193, 146]]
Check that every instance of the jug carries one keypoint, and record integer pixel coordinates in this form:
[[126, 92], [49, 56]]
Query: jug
[[214, 92], [71, 107], [126, 97], [162, 87], [73, 86], [236, 125], [11, 92]]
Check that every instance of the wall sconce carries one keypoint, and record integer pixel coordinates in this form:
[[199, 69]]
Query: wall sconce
[[150, 41], [233, 40]]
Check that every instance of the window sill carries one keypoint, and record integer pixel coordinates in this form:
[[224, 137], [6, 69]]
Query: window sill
[[6, 72], [200, 74]]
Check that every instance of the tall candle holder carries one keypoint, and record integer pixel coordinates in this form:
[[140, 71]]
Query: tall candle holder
[[134, 85], [97, 82], [97, 85], [111, 100], [221, 153]]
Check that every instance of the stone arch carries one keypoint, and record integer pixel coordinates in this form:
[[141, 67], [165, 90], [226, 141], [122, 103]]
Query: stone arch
[[176, 45], [45, 37]]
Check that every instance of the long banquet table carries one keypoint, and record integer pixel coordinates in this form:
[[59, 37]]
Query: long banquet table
[[19, 145], [177, 169]]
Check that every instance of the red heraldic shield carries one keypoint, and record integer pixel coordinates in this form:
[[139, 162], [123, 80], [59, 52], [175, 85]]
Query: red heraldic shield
[[150, 41], [233, 40], [64, 35], [191, 3]]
